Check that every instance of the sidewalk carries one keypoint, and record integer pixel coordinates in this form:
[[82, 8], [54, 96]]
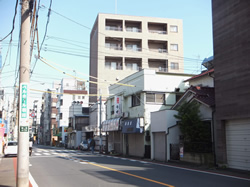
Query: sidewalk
[[8, 167], [7, 174]]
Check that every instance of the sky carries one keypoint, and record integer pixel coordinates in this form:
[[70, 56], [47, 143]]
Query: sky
[[66, 41]]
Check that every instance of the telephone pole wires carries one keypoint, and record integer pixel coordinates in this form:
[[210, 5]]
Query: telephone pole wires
[[23, 119]]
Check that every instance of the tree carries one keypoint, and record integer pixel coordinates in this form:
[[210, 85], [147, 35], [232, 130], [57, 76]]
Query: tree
[[191, 126]]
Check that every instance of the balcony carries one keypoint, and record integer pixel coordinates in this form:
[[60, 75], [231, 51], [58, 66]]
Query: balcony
[[133, 26], [113, 43], [158, 46], [113, 63], [158, 65], [113, 25], [133, 45], [133, 64], [158, 28]]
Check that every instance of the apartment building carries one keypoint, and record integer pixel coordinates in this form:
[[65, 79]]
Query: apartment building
[[121, 45]]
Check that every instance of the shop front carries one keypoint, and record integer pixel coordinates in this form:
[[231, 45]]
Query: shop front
[[112, 127], [133, 130]]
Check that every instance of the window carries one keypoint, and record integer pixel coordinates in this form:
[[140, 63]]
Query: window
[[74, 97], [79, 97], [113, 65], [112, 109], [61, 115], [61, 102], [174, 65], [155, 98], [174, 47], [83, 97], [136, 100], [173, 28]]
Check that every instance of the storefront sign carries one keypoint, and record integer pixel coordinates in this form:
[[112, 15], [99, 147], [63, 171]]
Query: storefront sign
[[132, 126], [118, 106], [111, 125]]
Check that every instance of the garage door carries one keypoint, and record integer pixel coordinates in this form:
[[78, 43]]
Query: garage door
[[159, 146], [136, 144], [238, 144]]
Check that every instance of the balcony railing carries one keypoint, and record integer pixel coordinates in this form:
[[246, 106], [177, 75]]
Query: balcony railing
[[158, 32], [113, 28], [133, 49], [129, 29], [113, 47]]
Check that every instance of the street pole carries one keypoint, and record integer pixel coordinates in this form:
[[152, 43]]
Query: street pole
[[23, 125], [100, 117]]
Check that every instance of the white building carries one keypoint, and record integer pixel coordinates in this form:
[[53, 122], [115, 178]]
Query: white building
[[128, 110], [71, 90]]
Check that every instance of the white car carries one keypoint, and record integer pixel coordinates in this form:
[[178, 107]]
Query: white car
[[10, 148]]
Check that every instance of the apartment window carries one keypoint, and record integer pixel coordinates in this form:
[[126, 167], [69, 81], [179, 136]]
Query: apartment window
[[136, 100], [83, 97], [112, 109], [173, 28], [174, 65], [174, 47], [113, 65], [155, 98], [61, 115]]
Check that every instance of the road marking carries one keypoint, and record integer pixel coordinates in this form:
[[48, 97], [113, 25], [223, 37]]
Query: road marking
[[132, 175], [32, 181]]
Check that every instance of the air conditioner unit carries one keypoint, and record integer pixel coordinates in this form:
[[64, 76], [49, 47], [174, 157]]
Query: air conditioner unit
[[125, 114]]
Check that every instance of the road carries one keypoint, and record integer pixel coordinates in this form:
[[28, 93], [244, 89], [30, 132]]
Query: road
[[61, 167]]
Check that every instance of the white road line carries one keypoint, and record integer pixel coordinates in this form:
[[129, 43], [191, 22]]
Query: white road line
[[46, 153], [32, 181], [37, 154], [143, 162], [133, 160], [124, 158]]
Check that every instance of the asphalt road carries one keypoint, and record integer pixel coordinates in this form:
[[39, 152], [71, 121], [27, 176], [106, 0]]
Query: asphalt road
[[59, 167]]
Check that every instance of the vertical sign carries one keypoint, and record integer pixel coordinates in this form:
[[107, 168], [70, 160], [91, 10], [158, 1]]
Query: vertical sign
[[118, 106], [24, 117]]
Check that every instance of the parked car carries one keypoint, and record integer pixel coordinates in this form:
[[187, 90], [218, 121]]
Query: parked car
[[10, 148], [84, 145]]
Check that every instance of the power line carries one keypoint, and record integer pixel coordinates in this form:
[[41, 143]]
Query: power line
[[46, 29], [13, 23]]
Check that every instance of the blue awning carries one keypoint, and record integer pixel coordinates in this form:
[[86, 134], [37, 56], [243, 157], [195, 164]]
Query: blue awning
[[132, 126]]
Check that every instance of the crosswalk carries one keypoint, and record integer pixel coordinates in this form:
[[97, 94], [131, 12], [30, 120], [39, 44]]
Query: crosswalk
[[54, 152]]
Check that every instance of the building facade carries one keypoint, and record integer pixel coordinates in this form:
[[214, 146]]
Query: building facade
[[129, 108], [121, 45], [231, 33], [70, 90]]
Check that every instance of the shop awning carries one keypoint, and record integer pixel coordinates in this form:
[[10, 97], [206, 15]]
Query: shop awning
[[134, 125], [111, 125]]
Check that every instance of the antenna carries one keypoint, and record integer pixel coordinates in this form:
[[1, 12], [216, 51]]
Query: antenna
[[115, 6]]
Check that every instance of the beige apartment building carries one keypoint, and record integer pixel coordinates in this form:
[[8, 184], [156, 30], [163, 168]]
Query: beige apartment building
[[121, 45]]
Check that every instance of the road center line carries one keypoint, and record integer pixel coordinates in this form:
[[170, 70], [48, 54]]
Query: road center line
[[132, 175]]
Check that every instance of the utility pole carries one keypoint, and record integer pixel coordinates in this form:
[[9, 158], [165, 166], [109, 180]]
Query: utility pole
[[23, 125], [100, 126]]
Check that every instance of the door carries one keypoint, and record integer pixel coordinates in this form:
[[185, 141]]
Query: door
[[238, 144]]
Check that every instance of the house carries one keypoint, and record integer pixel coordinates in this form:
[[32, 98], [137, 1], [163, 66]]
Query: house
[[129, 108], [78, 118]]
